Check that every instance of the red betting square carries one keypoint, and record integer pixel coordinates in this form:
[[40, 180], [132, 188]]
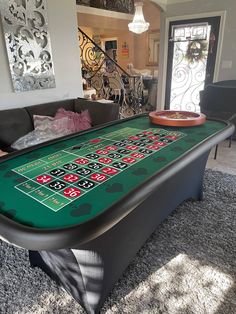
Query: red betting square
[[95, 140], [71, 178], [110, 171], [133, 138], [161, 144], [82, 161], [105, 160], [129, 160], [72, 192], [153, 137], [132, 147], [98, 177], [44, 178], [111, 148], [102, 151], [153, 147], [137, 155]]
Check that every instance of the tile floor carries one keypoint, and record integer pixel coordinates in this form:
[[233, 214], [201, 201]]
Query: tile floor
[[226, 158]]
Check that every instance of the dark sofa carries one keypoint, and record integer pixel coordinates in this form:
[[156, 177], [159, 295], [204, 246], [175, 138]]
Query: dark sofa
[[17, 122], [218, 100]]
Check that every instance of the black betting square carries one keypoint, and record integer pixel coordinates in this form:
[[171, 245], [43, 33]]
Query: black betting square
[[141, 135], [84, 171], [115, 155], [86, 184], [57, 185], [92, 156], [146, 140], [70, 166], [145, 151], [140, 144], [57, 172], [95, 165], [120, 144], [123, 151], [126, 141], [165, 140], [119, 165]]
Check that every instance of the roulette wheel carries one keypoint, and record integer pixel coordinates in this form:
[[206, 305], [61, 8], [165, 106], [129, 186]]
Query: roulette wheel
[[177, 118]]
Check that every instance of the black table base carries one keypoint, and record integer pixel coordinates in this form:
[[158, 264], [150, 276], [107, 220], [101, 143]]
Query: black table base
[[88, 272]]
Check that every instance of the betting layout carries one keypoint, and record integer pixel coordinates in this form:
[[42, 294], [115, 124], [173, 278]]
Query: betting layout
[[62, 177]]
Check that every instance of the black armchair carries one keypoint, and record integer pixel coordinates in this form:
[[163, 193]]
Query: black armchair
[[218, 100]]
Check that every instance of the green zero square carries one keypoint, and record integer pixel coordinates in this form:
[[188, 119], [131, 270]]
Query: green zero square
[[56, 202], [27, 186], [41, 194]]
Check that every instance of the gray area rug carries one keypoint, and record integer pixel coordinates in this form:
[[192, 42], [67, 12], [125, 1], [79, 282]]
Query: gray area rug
[[187, 266]]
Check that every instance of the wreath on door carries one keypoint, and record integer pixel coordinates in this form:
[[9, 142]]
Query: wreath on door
[[196, 51]]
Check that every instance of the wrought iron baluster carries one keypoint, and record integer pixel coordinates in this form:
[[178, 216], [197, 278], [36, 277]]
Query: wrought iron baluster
[[109, 79]]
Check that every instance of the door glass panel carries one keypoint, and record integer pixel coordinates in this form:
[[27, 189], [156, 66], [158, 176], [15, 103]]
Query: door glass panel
[[191, 44]]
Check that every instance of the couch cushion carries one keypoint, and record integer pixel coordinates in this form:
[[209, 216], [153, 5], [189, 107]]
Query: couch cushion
[[100, 112], [14, 123], [50, 109]]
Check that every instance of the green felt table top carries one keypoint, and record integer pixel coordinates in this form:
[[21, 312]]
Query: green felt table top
[[73, 180]]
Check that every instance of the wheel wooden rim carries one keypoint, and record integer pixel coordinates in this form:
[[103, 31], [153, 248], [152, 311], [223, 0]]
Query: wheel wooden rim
[[192, 118]]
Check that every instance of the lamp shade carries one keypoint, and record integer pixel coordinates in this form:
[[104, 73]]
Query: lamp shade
[[138, 25]]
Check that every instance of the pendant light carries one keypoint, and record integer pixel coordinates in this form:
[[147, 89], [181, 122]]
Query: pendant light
[[138, 25]]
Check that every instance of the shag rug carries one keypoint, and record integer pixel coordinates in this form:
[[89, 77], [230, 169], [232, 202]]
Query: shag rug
[[187, 266]]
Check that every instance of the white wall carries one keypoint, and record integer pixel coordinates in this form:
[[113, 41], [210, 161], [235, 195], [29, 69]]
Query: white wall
[[62, 22], [229, 35]]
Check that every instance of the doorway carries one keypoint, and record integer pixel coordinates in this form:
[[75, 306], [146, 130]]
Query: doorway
[[109, 45], [191, 60]]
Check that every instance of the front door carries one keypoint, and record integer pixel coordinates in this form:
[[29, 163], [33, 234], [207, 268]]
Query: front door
[[191, 61]]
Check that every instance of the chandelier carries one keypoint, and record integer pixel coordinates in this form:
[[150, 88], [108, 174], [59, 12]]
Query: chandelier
[[138, 25]]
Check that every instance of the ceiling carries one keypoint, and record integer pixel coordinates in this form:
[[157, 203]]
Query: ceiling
[[164, 3]]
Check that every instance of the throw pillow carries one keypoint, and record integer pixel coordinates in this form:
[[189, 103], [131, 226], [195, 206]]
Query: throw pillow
[[77, 121], [42, 123], [48, 124]]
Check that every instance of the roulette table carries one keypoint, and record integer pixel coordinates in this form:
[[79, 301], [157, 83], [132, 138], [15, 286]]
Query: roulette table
[[84, 204]]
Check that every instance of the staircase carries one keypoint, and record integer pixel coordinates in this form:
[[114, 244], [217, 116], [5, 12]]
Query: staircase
[[109, 80]]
